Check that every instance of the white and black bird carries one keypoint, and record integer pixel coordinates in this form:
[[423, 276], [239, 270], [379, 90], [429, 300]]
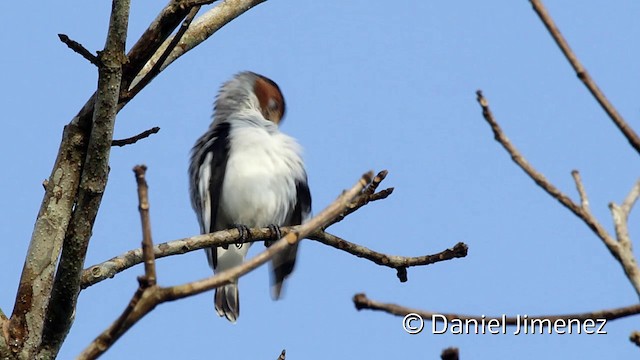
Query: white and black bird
[[244, 173]]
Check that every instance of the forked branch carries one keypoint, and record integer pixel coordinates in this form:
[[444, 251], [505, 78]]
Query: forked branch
[[113, 266], [147, 298], [620, 248]]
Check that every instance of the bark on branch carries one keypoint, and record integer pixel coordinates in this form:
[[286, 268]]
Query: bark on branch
[[93, 182]]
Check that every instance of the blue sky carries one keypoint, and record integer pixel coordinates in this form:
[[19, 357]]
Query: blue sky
[[369, 85]]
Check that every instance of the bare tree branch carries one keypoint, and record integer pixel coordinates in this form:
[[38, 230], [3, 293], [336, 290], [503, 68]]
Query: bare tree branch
[[368, 195], [361, 302], [147, 242], [160, 29], [584, 76], [78, 48], [155, 70], [193, 3], [584, 200], [631, 199], [283, 355], [135, 139], [108, 269], [620, 214], [54, 223], [148, 280], [621, 249], [400, 263], [91, 188], [51, 224], [200, 30], [146, 299]]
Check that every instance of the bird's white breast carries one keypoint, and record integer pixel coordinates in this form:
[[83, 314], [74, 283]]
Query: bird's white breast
[[259, 186]]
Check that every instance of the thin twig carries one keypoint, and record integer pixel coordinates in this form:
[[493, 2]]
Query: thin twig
[[584, 76], [150, 277], [361, 302], [78, 48], [283, 355], [147, 299], [584, 200], [400, 263], [631, 199], [620, 250], [368, 195], [191, 3], [135, 139], [155, 70]]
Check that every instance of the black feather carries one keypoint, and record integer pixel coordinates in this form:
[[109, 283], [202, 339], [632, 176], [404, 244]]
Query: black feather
[[220, 145]]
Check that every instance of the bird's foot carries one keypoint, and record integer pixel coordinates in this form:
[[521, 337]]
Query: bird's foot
[[276, 234], [275, 229], [245, 234]]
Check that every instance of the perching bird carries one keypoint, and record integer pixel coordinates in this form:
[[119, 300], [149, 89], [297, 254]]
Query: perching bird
[[245, 173]]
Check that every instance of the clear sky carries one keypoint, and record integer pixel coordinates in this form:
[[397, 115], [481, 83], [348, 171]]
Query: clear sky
[[369, 85]]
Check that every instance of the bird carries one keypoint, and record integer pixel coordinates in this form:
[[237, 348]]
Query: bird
[[244, 172]]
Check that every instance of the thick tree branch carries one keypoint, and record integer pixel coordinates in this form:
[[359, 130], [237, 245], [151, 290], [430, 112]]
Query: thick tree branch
[[135, 139], [584, 76], [78, 48], [155, 70], [148, 298], [160, 29], [92, 184], [620, 249], [361, 302], [51, 224], [62, 188], [201, 29]]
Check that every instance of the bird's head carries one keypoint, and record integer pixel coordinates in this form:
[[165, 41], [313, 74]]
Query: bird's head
[[248, 90]]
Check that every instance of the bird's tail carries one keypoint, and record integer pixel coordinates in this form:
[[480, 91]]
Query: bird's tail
[[282, 265], [227, 301]]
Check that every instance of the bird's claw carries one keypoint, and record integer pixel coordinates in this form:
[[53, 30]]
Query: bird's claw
[[276, 234], [245, 234]]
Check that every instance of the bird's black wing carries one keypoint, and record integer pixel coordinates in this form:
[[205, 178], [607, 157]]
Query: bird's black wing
[[284, 262], [208, 165]]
